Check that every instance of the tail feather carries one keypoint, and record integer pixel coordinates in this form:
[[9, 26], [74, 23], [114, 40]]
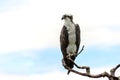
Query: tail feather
[[69, 63], [68, 72]]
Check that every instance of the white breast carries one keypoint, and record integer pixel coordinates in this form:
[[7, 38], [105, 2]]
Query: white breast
[[71, 49]]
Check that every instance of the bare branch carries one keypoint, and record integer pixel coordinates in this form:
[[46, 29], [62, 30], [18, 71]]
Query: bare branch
[[113, 70], [81, 50], [89, 75], [110, 76], [104, 74]]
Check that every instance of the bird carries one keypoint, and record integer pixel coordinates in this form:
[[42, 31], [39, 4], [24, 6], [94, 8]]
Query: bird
[[69, 41]]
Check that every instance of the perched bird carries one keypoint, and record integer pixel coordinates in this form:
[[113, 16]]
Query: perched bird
[[69, 41]]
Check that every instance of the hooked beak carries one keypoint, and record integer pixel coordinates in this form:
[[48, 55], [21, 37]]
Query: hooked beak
[[62, 18]]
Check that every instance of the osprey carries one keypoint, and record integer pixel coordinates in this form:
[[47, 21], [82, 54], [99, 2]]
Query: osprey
[[69, 41]]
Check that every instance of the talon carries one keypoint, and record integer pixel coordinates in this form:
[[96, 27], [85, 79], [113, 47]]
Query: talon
[[68, 72]]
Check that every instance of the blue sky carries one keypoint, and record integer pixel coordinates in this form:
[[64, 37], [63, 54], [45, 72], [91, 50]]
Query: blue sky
[[37, 61], [29, 37]]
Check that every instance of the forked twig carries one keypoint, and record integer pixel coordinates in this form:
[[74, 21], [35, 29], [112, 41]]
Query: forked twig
[[113, 70], [80, 50]]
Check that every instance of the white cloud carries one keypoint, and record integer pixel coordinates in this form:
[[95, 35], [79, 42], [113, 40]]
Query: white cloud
[[23, 29], [37, 24], [49, 76], [101, 36]]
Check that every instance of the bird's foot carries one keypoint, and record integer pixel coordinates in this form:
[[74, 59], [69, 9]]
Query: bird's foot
[[70, 55]]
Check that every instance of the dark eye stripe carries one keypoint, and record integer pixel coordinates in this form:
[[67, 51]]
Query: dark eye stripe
[[68, 16]]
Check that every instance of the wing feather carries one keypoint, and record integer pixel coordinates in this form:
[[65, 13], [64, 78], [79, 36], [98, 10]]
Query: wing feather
[[64, 41], [78, 39]]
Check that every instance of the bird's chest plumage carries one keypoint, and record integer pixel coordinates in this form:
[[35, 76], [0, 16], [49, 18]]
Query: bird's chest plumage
[[71, 48], [71, 35]]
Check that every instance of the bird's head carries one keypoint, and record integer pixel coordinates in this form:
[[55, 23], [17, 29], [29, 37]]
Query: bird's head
[[67, 17]]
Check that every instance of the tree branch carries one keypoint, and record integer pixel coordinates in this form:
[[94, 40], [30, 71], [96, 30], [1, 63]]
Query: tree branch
[[110, 76], [81, 50], [113, 70]]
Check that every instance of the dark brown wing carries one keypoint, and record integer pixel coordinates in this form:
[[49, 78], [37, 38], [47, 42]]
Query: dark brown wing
[[64, 41], [78, 39]]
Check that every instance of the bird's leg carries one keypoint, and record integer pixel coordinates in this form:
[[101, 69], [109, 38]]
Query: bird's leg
[[69, 55]]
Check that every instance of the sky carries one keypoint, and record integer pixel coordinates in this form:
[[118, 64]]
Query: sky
[[29, 37]]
